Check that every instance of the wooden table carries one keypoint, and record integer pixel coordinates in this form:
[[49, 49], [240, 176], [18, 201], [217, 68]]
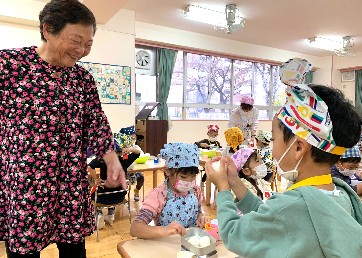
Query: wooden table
[[166, 247], [202, 163], [148, 166]]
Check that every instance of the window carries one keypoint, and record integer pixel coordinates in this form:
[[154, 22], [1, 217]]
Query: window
[[202, 86]]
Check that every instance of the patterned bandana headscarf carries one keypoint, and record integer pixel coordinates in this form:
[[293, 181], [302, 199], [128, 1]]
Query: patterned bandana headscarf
[[211, 128], [122, 140], [305, 113], [353, 152], [234, 137], [128, 130], [241, 157], [180, 155], [264, 136]]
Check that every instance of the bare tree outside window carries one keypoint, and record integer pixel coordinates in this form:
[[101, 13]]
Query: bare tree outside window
[[202, 87]]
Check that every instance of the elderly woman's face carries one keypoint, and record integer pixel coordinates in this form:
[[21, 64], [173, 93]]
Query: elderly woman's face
[[71, 44]]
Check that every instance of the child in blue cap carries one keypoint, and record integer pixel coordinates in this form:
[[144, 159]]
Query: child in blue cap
[[176, 204], [346, 169]]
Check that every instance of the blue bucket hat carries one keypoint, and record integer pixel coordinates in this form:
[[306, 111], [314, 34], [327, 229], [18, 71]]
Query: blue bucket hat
[[180, 155], [353, 152], [128, 130]]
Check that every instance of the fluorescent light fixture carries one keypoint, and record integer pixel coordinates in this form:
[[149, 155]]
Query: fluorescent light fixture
[[204, 15], [330, 44], [213, 17]]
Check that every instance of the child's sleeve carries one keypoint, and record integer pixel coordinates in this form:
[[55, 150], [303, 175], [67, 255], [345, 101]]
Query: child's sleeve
[[152, 206], [218, 144], [138, 148], [94, 164], [244, 235]]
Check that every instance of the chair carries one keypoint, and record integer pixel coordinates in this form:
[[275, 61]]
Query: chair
[[98, 205], [131, 176]]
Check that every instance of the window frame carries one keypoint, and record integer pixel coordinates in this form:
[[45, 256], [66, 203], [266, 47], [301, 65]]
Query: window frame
[[231, 106]]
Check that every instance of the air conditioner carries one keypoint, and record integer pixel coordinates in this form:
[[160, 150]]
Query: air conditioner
[[348, 76]]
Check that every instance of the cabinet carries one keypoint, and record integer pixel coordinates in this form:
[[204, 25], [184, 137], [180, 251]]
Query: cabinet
[[151, 135]]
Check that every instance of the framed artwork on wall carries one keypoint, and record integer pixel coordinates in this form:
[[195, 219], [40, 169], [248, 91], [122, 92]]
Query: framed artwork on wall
[[348, 76], [113, 82]]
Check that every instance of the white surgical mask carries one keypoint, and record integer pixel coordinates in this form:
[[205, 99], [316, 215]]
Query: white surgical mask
[[261, 171], [348, 172], [290, 175], [213, 139], [184, 186]]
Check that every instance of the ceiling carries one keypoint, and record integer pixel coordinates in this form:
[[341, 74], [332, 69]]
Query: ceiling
[[282, 24]]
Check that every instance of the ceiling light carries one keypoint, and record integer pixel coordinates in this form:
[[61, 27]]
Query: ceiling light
[[204, 15], [228, 21], [340, 46], [326, 43]]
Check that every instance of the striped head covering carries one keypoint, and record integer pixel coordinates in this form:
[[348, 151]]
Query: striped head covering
[[305, 113], [180, 155], [241, 157], [353, 152], [128, 130], [211, 128], [234, 137]]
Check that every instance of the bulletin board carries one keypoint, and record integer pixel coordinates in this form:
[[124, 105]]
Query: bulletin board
[[113, 82]]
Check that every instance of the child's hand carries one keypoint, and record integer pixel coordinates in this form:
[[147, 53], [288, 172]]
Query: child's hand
[[201, 221], [218, 178], [174, 228], [232, 172]]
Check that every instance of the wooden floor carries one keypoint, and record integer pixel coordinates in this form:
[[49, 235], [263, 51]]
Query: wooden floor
[[111, 235]]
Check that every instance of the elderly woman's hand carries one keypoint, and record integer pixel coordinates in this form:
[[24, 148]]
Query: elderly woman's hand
[[115, 172]]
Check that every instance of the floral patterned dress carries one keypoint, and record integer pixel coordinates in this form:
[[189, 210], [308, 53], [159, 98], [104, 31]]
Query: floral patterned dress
[[48, 117]]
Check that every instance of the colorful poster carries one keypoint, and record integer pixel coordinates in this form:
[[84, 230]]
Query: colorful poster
[[113, 82]]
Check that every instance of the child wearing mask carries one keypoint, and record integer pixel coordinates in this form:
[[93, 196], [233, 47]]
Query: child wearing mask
[[263, 139], [347, 168], [251, 170], [317, 216], [176, 204], [211, 142], [137, 177]]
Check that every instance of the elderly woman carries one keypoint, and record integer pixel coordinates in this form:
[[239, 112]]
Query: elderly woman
[[50, 113], [245, 117]]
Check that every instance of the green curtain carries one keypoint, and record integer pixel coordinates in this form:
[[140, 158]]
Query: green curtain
[[308, 78], [165, 63], [358, 91]]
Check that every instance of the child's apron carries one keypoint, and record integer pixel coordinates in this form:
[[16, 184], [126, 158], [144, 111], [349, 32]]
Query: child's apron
[[183, 209]]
